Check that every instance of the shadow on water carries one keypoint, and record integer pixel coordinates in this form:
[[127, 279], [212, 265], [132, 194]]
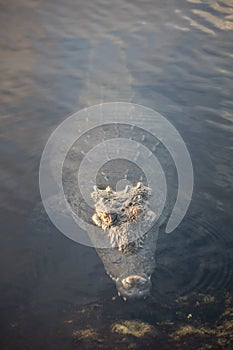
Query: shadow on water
[[59, 57]]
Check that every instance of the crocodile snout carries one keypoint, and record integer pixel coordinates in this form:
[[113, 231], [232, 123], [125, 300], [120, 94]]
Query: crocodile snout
[[134, 286]]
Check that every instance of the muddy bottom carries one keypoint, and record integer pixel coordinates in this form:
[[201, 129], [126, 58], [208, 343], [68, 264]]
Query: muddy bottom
[[197, 321]]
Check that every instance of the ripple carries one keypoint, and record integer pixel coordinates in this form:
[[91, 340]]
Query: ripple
[[196, 259], [219, 23], [208, 16]]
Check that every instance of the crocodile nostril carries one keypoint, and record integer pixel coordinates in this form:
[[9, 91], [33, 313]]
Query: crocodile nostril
[[132, 281]]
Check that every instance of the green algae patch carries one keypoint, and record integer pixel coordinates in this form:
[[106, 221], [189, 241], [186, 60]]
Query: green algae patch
[[136, 328]]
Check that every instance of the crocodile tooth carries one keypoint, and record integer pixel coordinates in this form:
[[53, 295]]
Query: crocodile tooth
[[127, 188], [119, 294], [124, 298]]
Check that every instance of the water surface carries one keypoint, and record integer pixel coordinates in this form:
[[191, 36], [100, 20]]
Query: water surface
[[58, 57]]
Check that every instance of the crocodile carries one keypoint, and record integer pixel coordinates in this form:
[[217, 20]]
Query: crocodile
[[124, 235], [131, 260], [123, 217]]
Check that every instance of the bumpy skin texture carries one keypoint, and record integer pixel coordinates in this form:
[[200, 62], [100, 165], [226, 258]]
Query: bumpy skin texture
[[130, 257], [123, 215], [131, 260]]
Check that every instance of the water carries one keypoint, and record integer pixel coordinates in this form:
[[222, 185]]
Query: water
[[58, 57]]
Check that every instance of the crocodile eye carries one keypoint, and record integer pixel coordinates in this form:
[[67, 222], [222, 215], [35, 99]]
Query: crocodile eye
[[123, 209]]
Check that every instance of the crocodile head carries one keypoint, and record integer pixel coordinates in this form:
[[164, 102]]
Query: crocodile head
[[123, 215], [125, 218]]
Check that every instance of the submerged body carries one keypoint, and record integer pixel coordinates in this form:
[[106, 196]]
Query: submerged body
[[123, 234]]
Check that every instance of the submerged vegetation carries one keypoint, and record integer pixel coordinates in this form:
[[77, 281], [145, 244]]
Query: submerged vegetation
[[199, 321]]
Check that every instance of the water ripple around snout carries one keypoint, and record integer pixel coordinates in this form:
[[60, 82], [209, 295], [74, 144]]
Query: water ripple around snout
[[197, 258]]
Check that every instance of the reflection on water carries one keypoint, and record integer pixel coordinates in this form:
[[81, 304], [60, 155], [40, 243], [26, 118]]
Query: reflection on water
[[60, 56]]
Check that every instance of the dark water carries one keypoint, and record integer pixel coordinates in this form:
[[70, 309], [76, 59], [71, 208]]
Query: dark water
[[58, 57]]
